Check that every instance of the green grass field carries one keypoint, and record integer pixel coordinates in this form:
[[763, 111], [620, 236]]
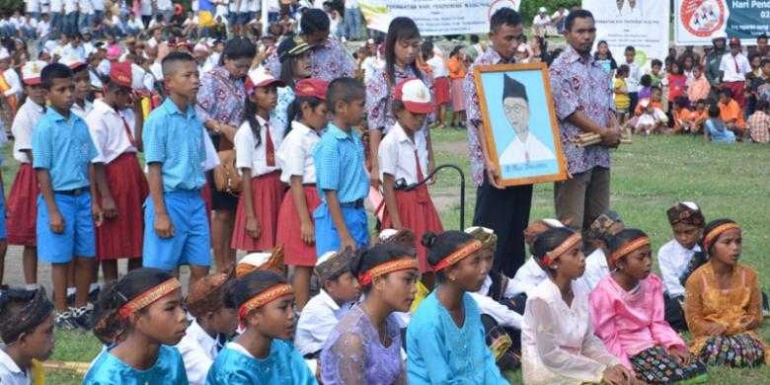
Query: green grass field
[[648, 176]]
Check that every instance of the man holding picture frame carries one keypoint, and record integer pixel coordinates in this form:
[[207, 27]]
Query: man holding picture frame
[[583, 105], [502, 209]]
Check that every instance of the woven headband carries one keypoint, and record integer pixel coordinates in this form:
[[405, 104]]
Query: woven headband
[[469, 248], [561, 249], [629, 248], [263, 298], [148, 297], [385, 268], [717, 231]]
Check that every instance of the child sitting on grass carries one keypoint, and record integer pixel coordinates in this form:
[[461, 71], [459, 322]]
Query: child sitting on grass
[[651, 119], [759, 123], [715, 129]]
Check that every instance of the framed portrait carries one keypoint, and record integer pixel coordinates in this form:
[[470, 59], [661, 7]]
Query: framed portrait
[[520, 125]]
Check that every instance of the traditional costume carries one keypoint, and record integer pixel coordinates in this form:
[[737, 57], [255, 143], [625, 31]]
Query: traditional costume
[[267, 190], [604, 227], [114, 134]]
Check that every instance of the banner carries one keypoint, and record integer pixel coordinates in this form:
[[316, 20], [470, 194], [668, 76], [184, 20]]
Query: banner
[[435, 17], [643, 24], [697, 22]]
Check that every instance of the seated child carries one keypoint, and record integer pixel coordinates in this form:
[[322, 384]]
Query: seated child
[[645, 87], [698, 117], [262, 355], [26, 329], [723, 302], [597, 236], [680, 257], [141, 315], [530, 274], [731, 112], [322, 313], [682, 115], [215, 319], [651, 118], [627, 314], [715, 128], [557, 337], [759, 123]]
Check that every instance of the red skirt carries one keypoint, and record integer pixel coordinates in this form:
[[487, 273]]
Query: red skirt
[[298, 253], [208, 200], [736, 88], [266, 194], [458, 95], [21, 207], [441, 90], [418, 214], [122, 236]]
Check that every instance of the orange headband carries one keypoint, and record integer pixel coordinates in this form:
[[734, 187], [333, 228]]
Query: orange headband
[[629, 247], [385, 268], [263, 298], [470, 248], [561, 249], [716, 232], [148, 297]]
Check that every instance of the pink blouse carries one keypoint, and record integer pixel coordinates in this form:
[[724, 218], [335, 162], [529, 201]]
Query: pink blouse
[[629, 322]]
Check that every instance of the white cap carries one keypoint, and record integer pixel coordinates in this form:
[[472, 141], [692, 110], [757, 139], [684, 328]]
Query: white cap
[[255, 259], [259, 77], [30, 73], [691, 205], [473, 229], [542, 10], [330, 254], [386, 234], [415, 95], [553, 222]]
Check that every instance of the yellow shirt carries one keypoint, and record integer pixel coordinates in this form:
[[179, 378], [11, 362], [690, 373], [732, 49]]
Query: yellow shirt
[[622, 101]]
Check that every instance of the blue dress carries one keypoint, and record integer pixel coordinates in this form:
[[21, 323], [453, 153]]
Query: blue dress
[[284, 366], [439, 352], [109, 370]]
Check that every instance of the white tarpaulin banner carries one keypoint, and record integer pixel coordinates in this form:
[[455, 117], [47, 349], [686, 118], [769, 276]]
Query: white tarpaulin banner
[[435, 17], [643, 24]]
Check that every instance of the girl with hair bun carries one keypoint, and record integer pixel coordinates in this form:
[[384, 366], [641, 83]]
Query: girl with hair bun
[[723, 303], [140, 317], [557, 338], [261, 354], [365, 346], [627, 313], [445, 338]]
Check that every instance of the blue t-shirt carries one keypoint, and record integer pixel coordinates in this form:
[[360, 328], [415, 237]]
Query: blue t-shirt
[[718, 131], [108, 369]]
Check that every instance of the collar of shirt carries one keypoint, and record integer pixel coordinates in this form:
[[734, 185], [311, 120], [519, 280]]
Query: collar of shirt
[[171, 108], [8, 362], [303, 129], [338, 133], [491, 56], [261, 120], [57, 117], [328, 300], [570, 56], [401, 136], [208, 342], [103, 108]]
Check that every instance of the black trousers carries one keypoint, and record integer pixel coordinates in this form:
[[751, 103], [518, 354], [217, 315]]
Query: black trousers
[[506, 211]]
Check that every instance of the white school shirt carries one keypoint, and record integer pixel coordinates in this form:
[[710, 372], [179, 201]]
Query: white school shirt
[[43, 28], [108, 131], [244, 6], [440, 70], [540, 21], [16, 22], [56, 6], [26, 118], [596, 269], [396, 155], [136, 24], [86, 7], [70, 6], [295, 157], [98, 5], [198, 350], [501, 313], [10, 373], [14, 82], [33, 6], [318, 318], [254, 5], [164, 5], [734, 68], [83, 111], [527, 278], [146, 7], [634, 77], [248, 155], [73, 53], [370, 65], [558, 344], [673, 260]]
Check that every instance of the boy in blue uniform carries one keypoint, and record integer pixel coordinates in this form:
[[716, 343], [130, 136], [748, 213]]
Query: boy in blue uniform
[[62, 151], [340, 172], [176, 229]]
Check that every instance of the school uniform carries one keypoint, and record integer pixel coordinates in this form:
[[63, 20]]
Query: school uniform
[[22, 200], [676, 263], [64, 148], [295, 158], [400, 157], [284, 365], [339, 162], [10, 373], [114, 135], [108, 369], [82, 111], [175, 139], [199, 349], [319, 317], [266, 186]]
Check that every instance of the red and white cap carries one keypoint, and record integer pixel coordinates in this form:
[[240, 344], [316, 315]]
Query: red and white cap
[[73, 63], [415, 95], [311, 88], [259, 77], [30, 73]]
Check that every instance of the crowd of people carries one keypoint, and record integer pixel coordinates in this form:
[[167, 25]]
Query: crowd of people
[[271, 145]]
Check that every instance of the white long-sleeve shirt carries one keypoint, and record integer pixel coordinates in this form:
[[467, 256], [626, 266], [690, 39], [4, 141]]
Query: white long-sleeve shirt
[[596, 269], [501, 313], [734, 68], [319, 316], [673, 260]]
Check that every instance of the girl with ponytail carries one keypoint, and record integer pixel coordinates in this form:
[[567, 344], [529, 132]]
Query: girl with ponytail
[[140, 317]]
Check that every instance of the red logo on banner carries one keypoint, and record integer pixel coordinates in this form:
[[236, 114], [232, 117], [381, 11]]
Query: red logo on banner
[[702, 17]]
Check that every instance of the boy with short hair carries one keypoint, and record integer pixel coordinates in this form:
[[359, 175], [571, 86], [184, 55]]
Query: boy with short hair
[[715, 129], [634, 76], [759, 123], [339, 290], [62, 155], [340, 172], [731, 112], [26, 329], [176, 228]]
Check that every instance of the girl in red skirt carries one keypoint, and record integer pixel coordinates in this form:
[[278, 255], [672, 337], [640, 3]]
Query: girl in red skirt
[[403, 163], [256, 143], [21, 206], [296, 231], [116, 135]]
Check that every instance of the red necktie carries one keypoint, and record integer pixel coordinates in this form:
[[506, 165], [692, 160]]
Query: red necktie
[[737, 69], [128, 131], [269, 149]]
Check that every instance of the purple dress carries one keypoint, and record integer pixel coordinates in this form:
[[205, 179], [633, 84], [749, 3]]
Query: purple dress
[[353, 353]]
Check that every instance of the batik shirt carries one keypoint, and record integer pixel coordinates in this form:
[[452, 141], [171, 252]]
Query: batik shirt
[[221, 98], [328, 62]]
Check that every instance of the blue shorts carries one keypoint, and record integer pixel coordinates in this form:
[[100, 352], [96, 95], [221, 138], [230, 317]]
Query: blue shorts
[[326, 236], [191, 243], [78, 238]]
